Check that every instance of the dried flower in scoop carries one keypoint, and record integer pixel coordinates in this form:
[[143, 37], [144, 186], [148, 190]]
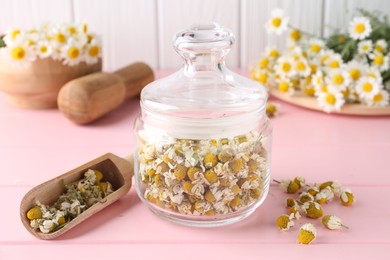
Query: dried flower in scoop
[[312, 209], [288, 186], [284, 222], [307, 234], [332, 222], [347, 197]]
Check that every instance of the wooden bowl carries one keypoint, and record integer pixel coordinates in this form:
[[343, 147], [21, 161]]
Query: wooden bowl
[[118, 171], [37, 85]]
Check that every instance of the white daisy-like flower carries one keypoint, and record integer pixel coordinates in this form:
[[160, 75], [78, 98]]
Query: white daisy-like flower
[[285, 85], [59, 36], [359, 28], [295, 35], [355, 69], [317, 79], [331, 100], [373, 72], [338, 79], [272, 52], [278, 22], [365, 47], [285, 66], [93, 52], [44, 49], [380, 61], [72, 53], [11, 35], [261, 76], [334, 61], [324, 55], [302, 67], [381, 46], [367, 88], [381, 99], [19, 54], [316, 46]]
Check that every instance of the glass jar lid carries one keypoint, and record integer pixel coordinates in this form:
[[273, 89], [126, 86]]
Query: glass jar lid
[[204, 98]]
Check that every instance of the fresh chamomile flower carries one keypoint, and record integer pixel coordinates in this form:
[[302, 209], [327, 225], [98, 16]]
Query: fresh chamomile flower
[[332, 100], [278, 22], [44, 49], [374, 73], [316, 46], [58, 35], [332, 222], [381, 99], [285, 85], [307, 234], [302, 67], [381, 46], [272, 52], [334, 61], [11, 35], [285, 66], [347, 197], [284, 222], [355, 69], [317, 79], [19, 54], [72, 53], [359, 28], [312, 209], [93, 52], [264, 63], [325, 195], [260, 75], [380, 61], [365, 47], [288, 186], [324, 55], [295, 35], [338, 79], [367, 87]]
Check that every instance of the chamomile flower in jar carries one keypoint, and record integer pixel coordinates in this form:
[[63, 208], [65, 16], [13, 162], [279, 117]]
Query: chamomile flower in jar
[[203, 137]]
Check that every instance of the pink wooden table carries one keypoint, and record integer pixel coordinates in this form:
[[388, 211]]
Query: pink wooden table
[[38, 145]]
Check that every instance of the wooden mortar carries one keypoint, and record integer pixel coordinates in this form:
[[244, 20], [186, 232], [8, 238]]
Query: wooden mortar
[[88, 98]]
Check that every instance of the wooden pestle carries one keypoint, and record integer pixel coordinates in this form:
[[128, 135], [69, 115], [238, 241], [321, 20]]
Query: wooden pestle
[[85, 99]]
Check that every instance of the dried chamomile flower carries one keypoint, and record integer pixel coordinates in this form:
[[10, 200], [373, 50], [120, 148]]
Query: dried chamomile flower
[[225, 155], [34, 213], [291, 202], [305, 197], [210, 160], [347, 197], [313, 190], [288, 186], [272, 109], [332, 222], [324, 195], [180, 172], [295, 212], [334, 185], [307, 234], [284, 222], [301, 181], [312, 209]]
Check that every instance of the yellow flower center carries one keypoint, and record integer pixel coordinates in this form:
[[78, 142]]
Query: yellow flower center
[[60, 38], [334, 64], [14, 33], [283, 86], [330, 99], [323, 59], [378, 60], [324, 88], [365, 47], [43, 49], [301, 66], [355, 74], [371, 75], [274, 53], [84, 28], [315, 48], [263, 77], [367, 87], [89, 37], [72, 30], [93, 51], [345, 93], [360, 28], [286, 67], [276, 22], [341, 39], [73, 52], [319, 80], [310, 91], [377, 98], [313, 68], [264, 63], [295, 35], [338, 79], [379, 48], [18, 53]]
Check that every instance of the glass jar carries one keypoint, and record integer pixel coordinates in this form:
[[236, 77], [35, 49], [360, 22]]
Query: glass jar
[[203, 138]]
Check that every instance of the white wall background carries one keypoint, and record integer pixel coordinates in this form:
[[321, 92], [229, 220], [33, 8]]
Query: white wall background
[[142, 30]]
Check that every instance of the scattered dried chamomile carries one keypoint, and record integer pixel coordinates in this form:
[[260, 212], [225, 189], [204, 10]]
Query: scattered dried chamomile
[[272, 109], [284, 222], [307, 234], [347, 197], [305, 197], [332, 222], [325, 195], [288, 186], [301, 181], [312, 209]]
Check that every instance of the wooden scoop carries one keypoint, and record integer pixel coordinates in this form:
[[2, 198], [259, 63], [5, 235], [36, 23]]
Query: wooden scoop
[[118, 171], [88, 98]]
